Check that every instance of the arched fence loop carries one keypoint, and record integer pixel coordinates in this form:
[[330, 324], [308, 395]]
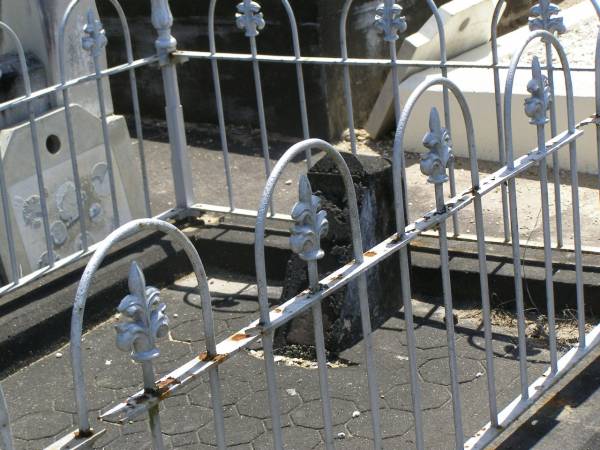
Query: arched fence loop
[[547, 90], [435, 164], [139, 336], [261, 278]]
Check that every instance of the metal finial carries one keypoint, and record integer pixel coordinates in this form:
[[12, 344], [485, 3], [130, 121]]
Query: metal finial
[[536, 106], [439, 143], [310, 223], [249, 18], [389, 20], [146, 318], [162, 20], [94, 39], [546, 16]]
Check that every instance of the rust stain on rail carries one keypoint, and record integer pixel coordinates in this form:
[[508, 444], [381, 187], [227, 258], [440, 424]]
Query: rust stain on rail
[[239, 337]]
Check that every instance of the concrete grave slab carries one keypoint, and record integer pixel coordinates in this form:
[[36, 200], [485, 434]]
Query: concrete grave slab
[[467, 25], [24, 197], [478, 87]]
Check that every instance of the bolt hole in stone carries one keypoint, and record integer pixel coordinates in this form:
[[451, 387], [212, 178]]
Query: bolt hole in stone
[[53, 144], [464, 24]]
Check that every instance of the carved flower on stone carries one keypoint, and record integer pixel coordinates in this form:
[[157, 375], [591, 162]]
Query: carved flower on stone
[[145, 319]]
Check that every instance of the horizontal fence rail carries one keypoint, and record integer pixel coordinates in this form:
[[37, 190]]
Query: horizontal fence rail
[[144, 317]]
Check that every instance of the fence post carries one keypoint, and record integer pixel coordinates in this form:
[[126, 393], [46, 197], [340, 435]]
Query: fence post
[[162, 20]]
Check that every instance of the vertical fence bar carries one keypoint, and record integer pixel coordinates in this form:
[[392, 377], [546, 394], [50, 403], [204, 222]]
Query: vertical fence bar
[[310, 224], [299, 77], [136, 106], [555, 161], [251, 21], [434, 164], [162, 20], [14, 267], [597, 99], [5, 433], [449, 318], [577, 237], [94, 42], [143, 322], [446, 101], [365, 317], [546, 16], [69, 126], [219, 101], [347, 80], [390, 21], [35, 143], [211, 352], [499, 121], [536, 108]]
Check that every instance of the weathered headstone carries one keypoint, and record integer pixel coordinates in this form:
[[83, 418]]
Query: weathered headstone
[[16, 153], [373, 183], [37, 24]]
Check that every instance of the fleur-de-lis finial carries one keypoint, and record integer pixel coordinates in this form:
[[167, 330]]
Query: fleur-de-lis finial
[[95, 39], [439, 143], [389, 20], [249, 18], [546, 16], [536, 106], [310, 223], [146, 320]]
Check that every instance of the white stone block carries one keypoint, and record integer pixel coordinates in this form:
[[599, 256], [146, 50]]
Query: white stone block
[[478, 87], [467, 25]]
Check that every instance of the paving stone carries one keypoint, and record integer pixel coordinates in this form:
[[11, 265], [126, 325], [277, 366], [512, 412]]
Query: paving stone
[[393, 423], [184, 419], [294, 438], [97, 399], [432, 396], [352, 384], [309, 415], [41, 424], [427, 335], [232, 391], [473, 346], [437, 370], [257, 404], [238, 430], [353, 443], [192, 330]]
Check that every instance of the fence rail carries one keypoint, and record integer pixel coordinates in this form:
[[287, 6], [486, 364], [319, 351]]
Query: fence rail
[[144, 319]]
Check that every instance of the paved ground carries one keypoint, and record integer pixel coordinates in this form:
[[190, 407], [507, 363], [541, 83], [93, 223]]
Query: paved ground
[[41, 401]]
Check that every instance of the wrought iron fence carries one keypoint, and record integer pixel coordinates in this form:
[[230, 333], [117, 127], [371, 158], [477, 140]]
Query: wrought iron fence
[[144, 317]]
